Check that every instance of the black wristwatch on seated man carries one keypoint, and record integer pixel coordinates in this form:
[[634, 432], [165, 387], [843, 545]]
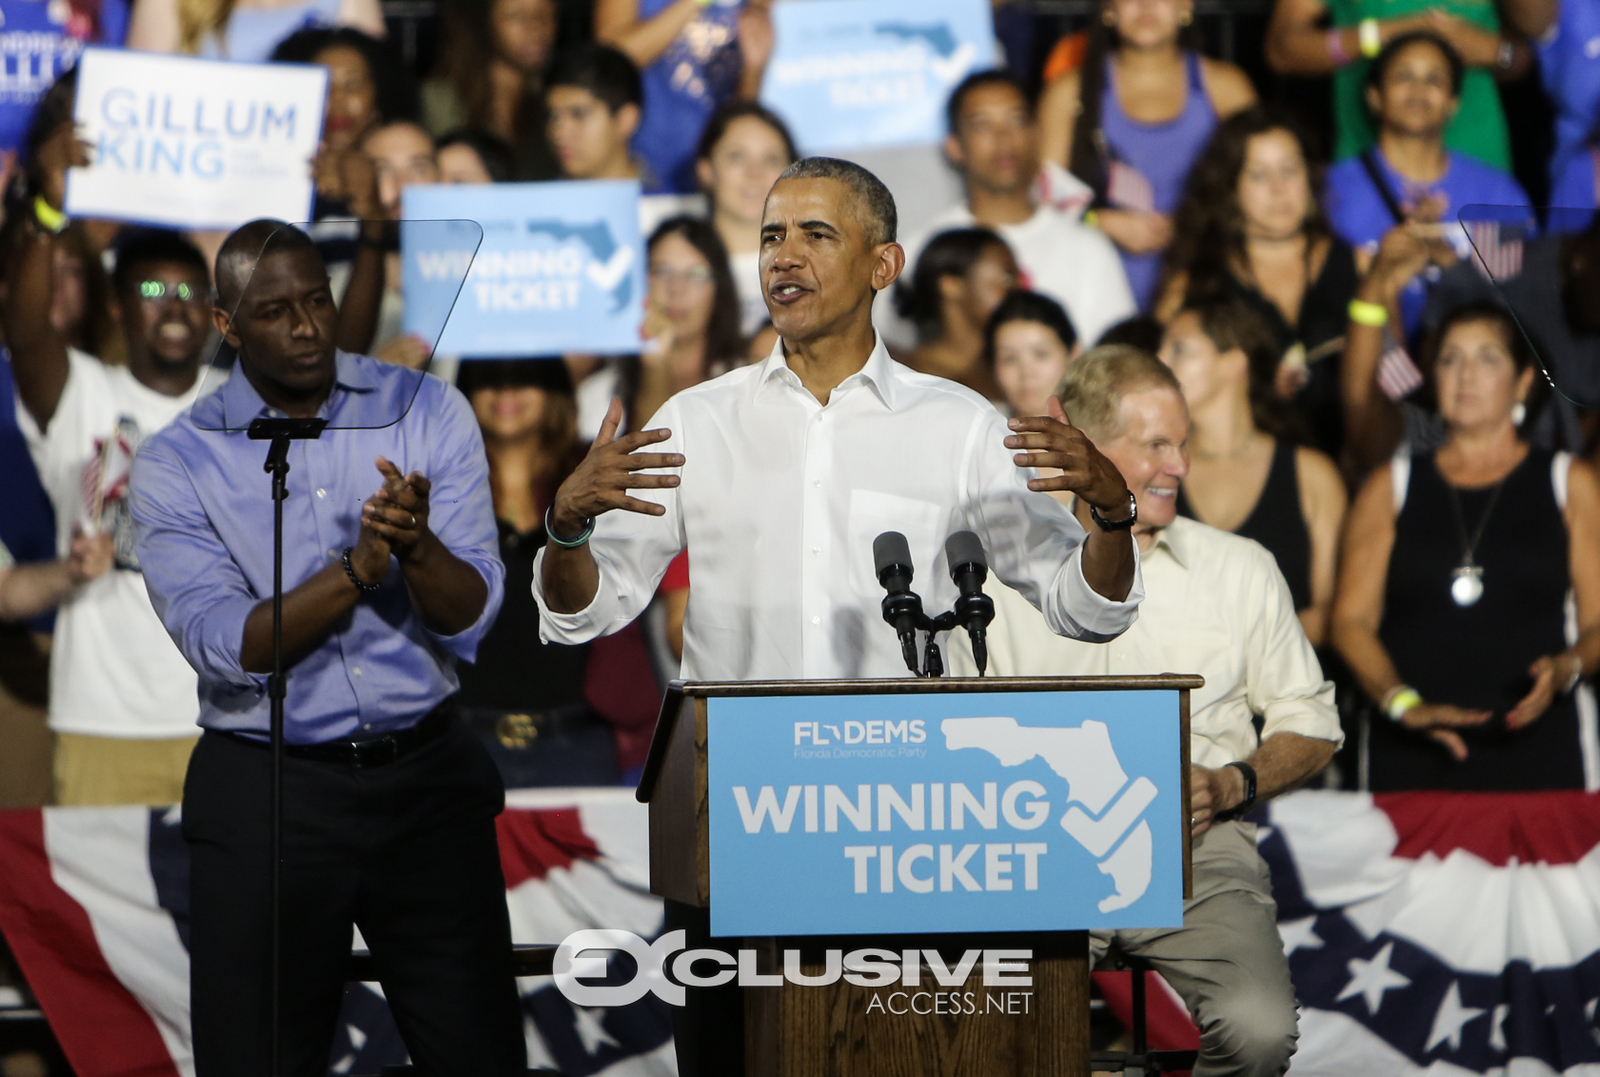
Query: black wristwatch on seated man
[[1241, 809]]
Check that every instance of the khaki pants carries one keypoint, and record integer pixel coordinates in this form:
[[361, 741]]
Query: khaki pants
[[25, 747], [1226, 962], [120, 770]]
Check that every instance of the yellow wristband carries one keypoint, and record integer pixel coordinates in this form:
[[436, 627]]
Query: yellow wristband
[[1370, 37], [49, 218], [1375, 315], [1092, 218], [1399, 701]]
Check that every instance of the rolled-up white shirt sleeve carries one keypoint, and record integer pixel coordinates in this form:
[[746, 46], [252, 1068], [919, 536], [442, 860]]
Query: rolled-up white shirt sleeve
[[1036, 546], [1284, 681], [631, 550]]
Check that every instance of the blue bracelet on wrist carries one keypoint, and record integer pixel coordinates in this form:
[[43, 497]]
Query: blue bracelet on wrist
[[567, 544]]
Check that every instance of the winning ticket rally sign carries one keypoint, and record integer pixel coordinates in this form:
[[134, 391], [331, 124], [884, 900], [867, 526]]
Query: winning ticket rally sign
[[990, 811]]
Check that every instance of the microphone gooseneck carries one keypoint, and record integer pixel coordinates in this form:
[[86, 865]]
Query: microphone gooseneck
[[969, 568]]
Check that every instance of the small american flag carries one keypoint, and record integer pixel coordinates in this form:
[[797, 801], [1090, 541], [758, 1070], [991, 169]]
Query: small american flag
[[1497, 247], [1398, 376]]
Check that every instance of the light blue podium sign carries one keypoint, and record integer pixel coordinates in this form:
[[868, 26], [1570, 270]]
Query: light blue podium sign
[[864, 74], [934, 811], [561, 267]]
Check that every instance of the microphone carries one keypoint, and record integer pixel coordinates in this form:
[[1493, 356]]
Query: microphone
[[891, 556], [969, 567]]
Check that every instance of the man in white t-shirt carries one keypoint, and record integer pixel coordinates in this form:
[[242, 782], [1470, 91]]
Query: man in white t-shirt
[[123, 701], [994, 142]]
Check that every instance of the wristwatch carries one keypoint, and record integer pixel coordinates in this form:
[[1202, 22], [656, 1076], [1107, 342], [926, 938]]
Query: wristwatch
[[1117, 525], [1242, 808]]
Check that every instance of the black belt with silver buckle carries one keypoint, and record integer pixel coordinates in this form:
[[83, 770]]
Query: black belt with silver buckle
[[377, 751]]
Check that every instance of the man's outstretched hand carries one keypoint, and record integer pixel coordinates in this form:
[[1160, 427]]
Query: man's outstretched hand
[[1051, 441], [601, 483]]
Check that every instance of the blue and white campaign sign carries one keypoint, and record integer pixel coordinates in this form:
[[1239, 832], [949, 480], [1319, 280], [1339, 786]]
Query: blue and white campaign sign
[[994, 811], [862, 74], [561, 267], [187, 143]]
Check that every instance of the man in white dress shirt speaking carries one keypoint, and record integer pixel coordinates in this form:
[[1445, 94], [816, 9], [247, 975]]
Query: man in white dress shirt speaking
[[778, 476]]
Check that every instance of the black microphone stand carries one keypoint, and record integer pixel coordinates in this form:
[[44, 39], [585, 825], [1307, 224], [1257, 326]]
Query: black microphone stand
[[280, 432]]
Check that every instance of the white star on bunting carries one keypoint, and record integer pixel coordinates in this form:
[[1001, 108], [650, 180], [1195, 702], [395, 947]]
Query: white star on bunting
[[591, 1033], [1370, 979], [1447, 1023], [1299, 934]]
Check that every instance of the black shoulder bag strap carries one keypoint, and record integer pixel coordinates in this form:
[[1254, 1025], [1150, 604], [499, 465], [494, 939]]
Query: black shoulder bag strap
[[1369, 161]]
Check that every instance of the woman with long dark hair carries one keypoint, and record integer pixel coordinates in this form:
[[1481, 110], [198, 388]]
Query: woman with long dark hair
[[961, 277], [691, 315], [1247, 474], [1132, 119], [1250, 227], [490, 76], [1469, 590]]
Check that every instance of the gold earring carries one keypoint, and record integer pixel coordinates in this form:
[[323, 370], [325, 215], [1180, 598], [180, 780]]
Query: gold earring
[[1186, 18]]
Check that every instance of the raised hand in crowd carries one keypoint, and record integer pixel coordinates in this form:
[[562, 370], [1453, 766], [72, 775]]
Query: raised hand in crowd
[[351, 176], [61, 151], [756, 40], [38, 350], [1373, 425]]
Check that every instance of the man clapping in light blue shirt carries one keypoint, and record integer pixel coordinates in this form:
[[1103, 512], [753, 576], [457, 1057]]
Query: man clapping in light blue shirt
[[389, 804]]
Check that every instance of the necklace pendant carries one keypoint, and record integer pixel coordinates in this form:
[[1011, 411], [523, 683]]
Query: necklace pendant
[[1467, 586]]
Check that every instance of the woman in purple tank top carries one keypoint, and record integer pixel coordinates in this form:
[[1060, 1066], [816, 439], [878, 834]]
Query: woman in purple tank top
[[1132, 120]]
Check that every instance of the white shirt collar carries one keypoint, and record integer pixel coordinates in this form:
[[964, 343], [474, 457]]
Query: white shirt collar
[[880, 372], [1172, 538]]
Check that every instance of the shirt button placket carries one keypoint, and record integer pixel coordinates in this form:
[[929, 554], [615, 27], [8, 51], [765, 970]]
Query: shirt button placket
[[813, 538]]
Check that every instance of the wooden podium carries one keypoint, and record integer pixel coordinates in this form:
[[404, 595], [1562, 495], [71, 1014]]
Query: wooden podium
[[834, 1030]]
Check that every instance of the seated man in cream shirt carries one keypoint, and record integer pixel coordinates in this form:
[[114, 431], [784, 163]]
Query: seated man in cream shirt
[[1215, 604]]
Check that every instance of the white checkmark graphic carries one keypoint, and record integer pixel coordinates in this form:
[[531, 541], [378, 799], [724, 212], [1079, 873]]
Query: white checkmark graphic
[[607, 275], [952, 67]]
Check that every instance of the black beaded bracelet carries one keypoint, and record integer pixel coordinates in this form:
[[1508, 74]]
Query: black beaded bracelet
[[349, 570]]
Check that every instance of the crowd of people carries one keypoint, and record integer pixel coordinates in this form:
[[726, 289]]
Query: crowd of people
[[1432, 517]]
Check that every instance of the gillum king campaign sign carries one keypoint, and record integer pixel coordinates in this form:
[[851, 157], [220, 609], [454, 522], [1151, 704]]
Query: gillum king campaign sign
[[989, 811], [863, 74], [560, 269], [182, 142]]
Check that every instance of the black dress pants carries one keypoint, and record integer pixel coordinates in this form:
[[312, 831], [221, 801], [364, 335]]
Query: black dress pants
[[407, 852]]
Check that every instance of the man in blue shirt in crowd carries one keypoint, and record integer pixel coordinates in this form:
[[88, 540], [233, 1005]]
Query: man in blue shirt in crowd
[[389, 804]]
